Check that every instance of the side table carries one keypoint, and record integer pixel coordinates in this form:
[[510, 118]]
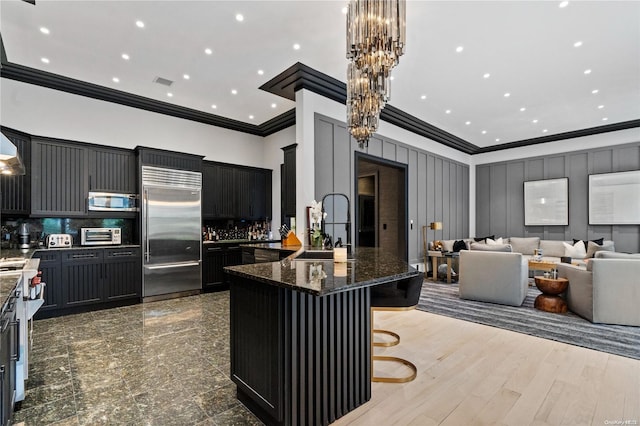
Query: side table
[[549, 300], [435, 258]]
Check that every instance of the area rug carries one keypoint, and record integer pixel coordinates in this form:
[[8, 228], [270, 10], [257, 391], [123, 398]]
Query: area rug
[[443, 299]]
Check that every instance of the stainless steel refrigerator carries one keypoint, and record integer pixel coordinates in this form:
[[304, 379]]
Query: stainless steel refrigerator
[[171, 232]]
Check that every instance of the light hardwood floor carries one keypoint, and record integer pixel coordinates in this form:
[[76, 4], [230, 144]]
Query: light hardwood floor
[[471, 374]]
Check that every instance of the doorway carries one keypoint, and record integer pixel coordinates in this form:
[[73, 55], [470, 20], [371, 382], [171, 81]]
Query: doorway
[[381, 207]]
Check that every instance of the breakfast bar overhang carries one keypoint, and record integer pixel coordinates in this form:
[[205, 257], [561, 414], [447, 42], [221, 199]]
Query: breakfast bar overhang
[[301, 334]]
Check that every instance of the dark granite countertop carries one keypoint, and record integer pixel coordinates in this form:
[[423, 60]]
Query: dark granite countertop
[[369, 267]]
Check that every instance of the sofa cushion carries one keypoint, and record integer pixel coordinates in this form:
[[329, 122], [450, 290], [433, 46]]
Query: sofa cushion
[[593, 247], [483, 239], [616, 255], [488, 247], [575, 251], [524, 245], [552, 248]]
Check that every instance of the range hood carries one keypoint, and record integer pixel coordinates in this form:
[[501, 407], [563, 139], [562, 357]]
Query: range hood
[[10, 161]]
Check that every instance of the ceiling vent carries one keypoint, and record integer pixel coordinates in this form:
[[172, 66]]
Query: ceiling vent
[[163, 81]]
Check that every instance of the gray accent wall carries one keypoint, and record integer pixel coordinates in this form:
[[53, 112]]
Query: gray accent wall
[[500, 195], [438, 186]]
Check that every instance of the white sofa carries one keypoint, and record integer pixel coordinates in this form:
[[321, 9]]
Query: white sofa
[[608, 291], [552, 250], [493, 277]]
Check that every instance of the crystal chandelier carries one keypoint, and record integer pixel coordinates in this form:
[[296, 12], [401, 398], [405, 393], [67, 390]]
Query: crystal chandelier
[[376, 34]]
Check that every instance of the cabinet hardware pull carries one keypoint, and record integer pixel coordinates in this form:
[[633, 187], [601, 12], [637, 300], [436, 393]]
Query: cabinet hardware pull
[[122, 253]]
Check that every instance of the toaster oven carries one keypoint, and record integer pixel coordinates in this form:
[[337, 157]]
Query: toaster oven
[[100, 236]]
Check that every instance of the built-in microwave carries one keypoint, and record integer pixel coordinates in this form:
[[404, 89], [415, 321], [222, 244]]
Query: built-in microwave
[[100, 236], [109, 201]]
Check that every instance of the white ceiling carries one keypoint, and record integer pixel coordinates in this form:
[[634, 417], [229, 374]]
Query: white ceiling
[[526, 46]]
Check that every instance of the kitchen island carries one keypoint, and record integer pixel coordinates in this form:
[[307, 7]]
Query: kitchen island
[[301, 334]]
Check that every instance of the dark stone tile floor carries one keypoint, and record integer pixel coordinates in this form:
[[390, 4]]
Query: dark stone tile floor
[[160, 363]]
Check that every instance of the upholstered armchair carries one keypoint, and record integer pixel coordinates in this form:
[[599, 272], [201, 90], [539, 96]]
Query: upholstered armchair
[[495, 277], [609, 292]]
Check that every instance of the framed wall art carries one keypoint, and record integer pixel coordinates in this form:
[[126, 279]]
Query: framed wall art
[[546, 202]]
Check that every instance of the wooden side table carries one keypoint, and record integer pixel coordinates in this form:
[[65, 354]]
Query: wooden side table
[[435, 257], [550, 299]]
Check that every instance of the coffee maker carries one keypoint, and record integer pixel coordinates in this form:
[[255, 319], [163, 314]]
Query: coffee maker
[[23, 236]]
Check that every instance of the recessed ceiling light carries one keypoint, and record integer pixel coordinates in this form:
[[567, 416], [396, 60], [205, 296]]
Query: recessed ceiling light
[[139, 24], [344, 10], [600, 106], [604, 119], [239, 17], [169, 94], [486, 75], [273, 105], [125, 56], [45, 60], [587, 71], [484, 132], [467, 123], [260, 72], [296, 46], [506, 95], [251, 117], [544, 130], [234, 92], [208, 51], [448, 111], [44, 30], [459, 49], [563, 4], [392, 78], [186, 76], [577, 44], [423, 97], [523, 109], [534, 121], [116, 80], [214, 106], [497, 139], [594, 91]]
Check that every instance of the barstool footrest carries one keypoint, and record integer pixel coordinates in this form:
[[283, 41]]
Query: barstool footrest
[[389, 333], [395, 379]]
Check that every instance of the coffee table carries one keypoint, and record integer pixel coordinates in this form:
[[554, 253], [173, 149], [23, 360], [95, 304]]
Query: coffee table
[[549, 300], [541, 265]]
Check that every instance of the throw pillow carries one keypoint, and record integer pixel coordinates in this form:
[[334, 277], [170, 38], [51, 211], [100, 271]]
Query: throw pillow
[[493, 242], [486, 247], [447, 245], [459, 245], [598, 241], [593, 247], [484, 239], [576, 251]]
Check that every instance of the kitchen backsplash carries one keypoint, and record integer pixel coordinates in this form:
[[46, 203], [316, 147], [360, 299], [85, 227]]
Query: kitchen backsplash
[[40, 228]]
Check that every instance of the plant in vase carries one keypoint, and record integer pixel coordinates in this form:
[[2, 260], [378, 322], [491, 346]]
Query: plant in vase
[[316, 219]]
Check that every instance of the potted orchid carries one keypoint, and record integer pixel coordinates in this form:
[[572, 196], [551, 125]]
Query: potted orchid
[[316, 219]]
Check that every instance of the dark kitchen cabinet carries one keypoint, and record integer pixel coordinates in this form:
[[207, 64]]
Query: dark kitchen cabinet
[[122, 278], [59, 183], [15, 191], [235, 192], [288, 181], [82, 277], [9, 355], [112, 170], [215, 258], [252, 193], [218, 191], [52, 276]]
